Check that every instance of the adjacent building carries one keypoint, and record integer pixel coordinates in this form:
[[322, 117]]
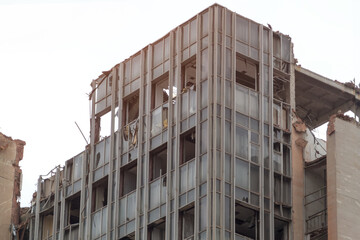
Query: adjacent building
[[11, 152], [206, 134]]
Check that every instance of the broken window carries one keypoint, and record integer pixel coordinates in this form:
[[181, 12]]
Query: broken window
[[130, 109], [128, 176], [281, 115], [157, 231], [276, 114], [188, 92], [103, 93], [189, 76], [69, 171], [47, 225], [160, 92], [77, 170], [281, 87], [105, 125], [72, 213], [160, 105], [186, 224], [281, 230], [158, 162], [281, 51], [99, 194], [130, 122], [246, 73], [246, 222], [73, 174], [187, 146], [286, 161]]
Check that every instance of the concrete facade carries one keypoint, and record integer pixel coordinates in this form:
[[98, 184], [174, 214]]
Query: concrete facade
[[11, 152], [343, 171]]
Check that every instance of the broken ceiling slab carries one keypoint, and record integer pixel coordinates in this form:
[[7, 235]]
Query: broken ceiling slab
[[317, 97]]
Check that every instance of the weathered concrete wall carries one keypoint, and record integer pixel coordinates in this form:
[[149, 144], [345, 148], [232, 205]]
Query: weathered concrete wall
[[11, 152], [343, 175]]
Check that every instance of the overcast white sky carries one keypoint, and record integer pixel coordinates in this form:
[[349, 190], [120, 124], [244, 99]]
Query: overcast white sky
[[51, 50]]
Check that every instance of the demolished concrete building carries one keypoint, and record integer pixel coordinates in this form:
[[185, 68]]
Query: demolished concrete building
[[210, 138], [11, 152]]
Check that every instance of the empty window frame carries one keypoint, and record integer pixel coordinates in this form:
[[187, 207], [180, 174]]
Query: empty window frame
[[188, 80], [247, 73], [99, 194], [157, 231], [282, 195], [160, 92], [281, 51], [281, 89], [159, 105], [69, 171], [188, 89], [47, 225], [158, 162], [74, 169], [130, 109], [281, 115], [103, 92], [246, 222], [186, 224], [187, 146], [281, 229], [72, 210], [128, 176], [130, 122]]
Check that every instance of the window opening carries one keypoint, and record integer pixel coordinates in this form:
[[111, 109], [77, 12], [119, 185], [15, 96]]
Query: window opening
[[281, 230], [159, 106], [281, 115], [130, 109], [281, 88], [187, 146], [99, 194], [160, 92], [246, 222], [130, 122], [186, 224], [188, 89], [189, 76], [246, 73], [158, 163], [47, 225], [69, 171], [157, 231], [73, 210], [128, 179]]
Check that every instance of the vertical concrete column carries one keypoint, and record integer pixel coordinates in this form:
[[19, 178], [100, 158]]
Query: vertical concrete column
[[297, 160], [37, 210], [56, 200]]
